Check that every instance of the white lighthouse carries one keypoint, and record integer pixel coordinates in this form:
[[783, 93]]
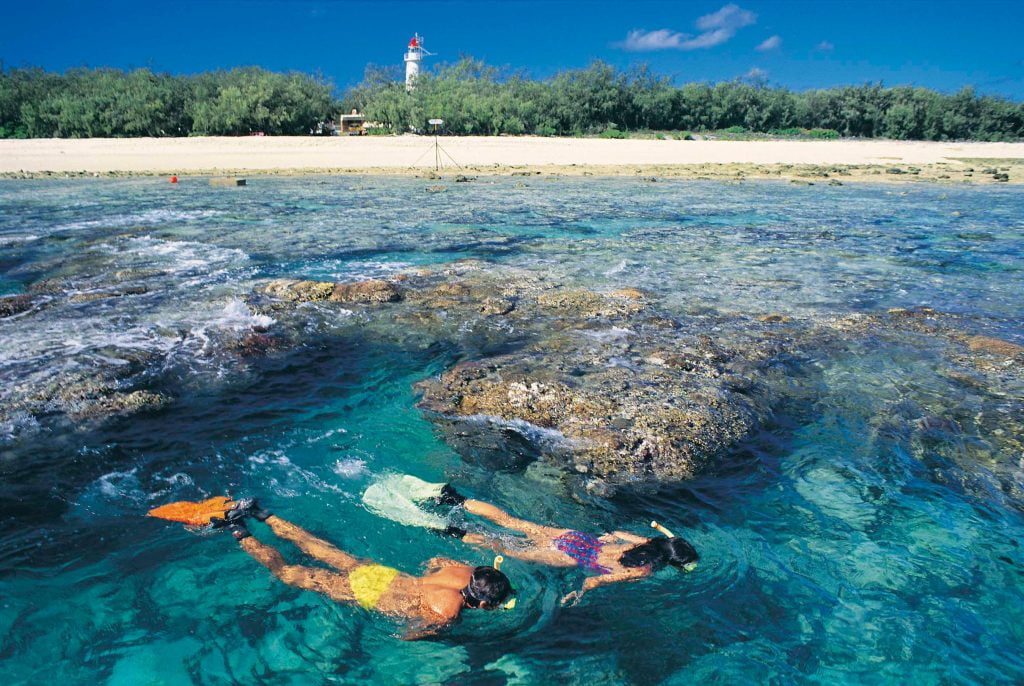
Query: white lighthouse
[[414, 54]]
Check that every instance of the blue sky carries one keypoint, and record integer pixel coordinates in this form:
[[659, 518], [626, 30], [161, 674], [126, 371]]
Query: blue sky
[[942, 45]]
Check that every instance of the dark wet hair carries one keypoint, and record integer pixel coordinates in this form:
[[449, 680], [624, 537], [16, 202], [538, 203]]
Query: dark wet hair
[[658, 552], [488, 589]]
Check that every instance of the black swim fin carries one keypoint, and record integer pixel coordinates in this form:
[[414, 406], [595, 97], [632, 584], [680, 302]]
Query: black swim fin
[[235, 526], [449, 496], [248, 507]]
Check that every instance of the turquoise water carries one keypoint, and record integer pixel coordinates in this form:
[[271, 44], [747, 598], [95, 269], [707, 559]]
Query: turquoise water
[[845, 542]]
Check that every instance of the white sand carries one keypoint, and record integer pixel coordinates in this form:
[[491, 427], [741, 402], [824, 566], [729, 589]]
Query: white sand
[[184, 155]]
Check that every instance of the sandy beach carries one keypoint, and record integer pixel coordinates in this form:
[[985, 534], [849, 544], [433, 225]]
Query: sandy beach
[[851, 160]]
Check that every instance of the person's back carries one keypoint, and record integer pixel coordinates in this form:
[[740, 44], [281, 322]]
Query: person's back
[[434, 598]]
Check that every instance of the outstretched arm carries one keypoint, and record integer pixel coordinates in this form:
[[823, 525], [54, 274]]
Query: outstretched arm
[[502, 518], [425, 631], [630, 574], [317, 548]]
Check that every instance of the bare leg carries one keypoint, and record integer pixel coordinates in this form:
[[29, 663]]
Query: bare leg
[[310, 578], [538, 553], [316, 548], [501, 518]]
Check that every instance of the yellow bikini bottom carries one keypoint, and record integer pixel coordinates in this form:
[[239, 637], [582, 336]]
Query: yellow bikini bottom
[[369, 582]]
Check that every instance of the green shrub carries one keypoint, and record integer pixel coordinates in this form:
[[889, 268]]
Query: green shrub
[[378, 131], [612, 132], [13, 131], [735, 129], [792, 131], [828, 134], [683, 136], [546, 130]]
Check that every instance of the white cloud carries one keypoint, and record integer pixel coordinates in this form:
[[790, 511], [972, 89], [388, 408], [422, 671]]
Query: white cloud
[[825, 46], [729, 17], [756, 73], [662, 39], [770, 43], [717, 28]]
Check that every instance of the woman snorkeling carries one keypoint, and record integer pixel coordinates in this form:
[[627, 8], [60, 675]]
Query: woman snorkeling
[[612, 557]]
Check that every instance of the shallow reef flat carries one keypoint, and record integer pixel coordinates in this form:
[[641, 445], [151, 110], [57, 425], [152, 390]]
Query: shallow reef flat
[[821, 388]]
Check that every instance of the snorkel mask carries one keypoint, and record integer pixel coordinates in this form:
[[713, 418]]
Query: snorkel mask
[[473, 601], [668, 534]]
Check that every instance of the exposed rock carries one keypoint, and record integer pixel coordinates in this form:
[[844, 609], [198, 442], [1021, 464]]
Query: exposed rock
[[373, 291], [136, 274], [583, 303], [100, 295], [452, 289], [774, 318], [497, 306], [299, 291], [630, 294], [82, 396], [995, 346], [622, 418], [256, 344], [49, 286], [14, 304], [117, 403]]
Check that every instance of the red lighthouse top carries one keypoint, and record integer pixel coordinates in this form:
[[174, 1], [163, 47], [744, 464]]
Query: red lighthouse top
[[415, 42]]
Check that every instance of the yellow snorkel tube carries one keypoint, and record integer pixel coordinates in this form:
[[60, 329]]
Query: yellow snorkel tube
[[659, 527], [498, 559]]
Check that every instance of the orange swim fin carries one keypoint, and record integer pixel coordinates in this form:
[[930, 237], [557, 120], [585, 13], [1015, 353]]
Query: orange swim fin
[[195, 514]]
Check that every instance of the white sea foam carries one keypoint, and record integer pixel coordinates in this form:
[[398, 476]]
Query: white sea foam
[[236, 315], [618, 269], [360, 270], [615, 333], [350, 468], [178, 256], [538, 434], [325, 435], [119, 485], [14, 240], [148, 218], [287, 479], [17, 424]]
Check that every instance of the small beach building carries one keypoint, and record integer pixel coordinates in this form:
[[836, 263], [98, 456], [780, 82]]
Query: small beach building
[[353, 124]]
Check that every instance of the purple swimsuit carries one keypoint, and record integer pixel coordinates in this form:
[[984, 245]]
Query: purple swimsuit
[[583, 548]]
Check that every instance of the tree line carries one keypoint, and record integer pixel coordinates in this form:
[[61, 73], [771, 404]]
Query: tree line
[[474, 98], [86, 103]]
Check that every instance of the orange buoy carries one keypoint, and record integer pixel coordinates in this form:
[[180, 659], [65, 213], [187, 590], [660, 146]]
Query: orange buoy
[[174, 179]]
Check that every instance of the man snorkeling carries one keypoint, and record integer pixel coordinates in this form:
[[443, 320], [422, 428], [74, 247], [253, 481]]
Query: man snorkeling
[[433, 600], [612, 557]]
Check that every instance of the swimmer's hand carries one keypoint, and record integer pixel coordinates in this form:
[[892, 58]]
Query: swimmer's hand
[[572, 598], [421, 633]]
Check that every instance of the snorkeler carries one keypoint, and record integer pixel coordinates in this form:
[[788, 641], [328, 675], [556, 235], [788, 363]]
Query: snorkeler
[[433, 600], [613, 557]]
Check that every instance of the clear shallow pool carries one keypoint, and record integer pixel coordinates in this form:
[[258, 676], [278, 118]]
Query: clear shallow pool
[[839, 545]]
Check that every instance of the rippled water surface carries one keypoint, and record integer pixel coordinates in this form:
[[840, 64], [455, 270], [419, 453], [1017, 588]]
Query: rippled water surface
[[843, 543]]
